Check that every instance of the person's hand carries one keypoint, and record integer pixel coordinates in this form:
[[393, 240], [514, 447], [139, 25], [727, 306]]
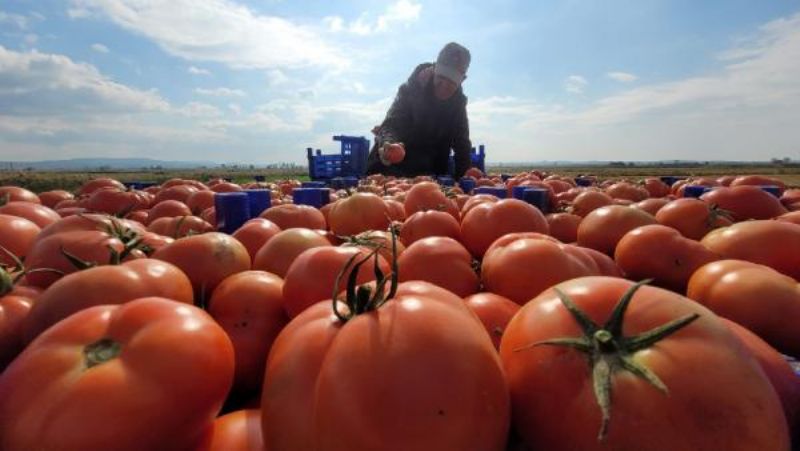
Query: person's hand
[[392, 153]]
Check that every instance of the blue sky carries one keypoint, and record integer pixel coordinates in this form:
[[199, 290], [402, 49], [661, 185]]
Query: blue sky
[[258, 82]]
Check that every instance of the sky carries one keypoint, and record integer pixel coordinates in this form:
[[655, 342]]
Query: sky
[[256, 82]]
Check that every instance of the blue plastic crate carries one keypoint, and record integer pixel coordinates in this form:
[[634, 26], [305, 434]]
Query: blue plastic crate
[[351, 161], [477, 156]]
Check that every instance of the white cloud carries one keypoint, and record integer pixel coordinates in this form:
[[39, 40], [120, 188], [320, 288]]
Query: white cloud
[[241, 38], [31, 39], [198, 71], [16, 20], [54, 84], [622, 77], [575, 84], [220, 92], [99, 48], [199, 109], [403, 12], [276, 77], [235, 108]]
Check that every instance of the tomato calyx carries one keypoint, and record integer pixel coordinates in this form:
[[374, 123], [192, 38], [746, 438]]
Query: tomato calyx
[[9, 277], [361, 299], [609, 351], [715, 212], [101, 352]]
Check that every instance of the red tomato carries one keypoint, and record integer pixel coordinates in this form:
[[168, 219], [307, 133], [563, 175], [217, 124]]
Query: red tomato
[[488, 221], [180, 226], [34, 212], [99, 183], [772, 243], [655, 187], [507, 266], [181, 193], [563, 226], [288, 216], [718, 397], [168, 209], [395, 153], [692, 217], [278, 253], [17, 236], [117, 202], [14, 308], [441, 261], [255, 233], [109, 284], [745, 202], [313, 275], [358, 213], [424, 224], [588, 201], [627, 191], [755, 296], [427, 196], [792, 216], [206, 259], [249, 306], [51, 198], [17, 194], [494, 311], [238, 431], [200, 200], [604, 227], [166, 364], [759, 180], [661, 253], [315, 397], [652, 205]]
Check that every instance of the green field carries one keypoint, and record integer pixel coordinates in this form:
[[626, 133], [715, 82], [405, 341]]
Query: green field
[[44, 181]]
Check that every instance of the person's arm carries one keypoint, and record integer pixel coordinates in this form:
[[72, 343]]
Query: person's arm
[[397, 121], [461, 144]]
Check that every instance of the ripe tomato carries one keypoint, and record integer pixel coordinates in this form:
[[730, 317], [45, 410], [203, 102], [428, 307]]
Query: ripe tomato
[[180, 226], [238, 431], [99, 183], [206, 259], [745, 202], [17, 236], [249, 307], [287, 216], [168, 209], [652, 205], [441, 261], [563, 226], [395, 153], [692, 217], [255, 233], [17, 194], [772, 243], [755, 296], [117, 202], [315, 397], [661, 253], [167, 365], [15, 304], [278, 253], [488, 221], [627, 191], [494, 311], [604, 227], [759, 180], [34, 212], [358, 213], [427, 196], [718, 397], [588, 201], [423, 224], [106, 285], [52, 198]]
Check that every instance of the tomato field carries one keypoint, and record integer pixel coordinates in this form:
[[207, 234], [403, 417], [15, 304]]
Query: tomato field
[[595, 308]]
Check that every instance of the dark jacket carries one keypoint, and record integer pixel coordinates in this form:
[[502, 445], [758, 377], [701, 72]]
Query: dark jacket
[[427, 126]]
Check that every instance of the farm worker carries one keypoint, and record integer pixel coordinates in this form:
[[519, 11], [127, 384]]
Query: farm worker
[[427, 118]]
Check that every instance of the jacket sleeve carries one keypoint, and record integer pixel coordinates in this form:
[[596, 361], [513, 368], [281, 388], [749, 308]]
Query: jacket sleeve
[[398, 119], [461, 144]]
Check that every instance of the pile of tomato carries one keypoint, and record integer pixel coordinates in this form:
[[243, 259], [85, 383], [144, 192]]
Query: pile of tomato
[[402, 315]]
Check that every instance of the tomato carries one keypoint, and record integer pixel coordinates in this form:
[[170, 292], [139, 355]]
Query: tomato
[[17, 236], [288, 216], [99, 183], [358, 213], [166, 365], [312, 276], [661, 253], [395, 153], [15, 304], [249, 307], [476, 200], [109, 284], [792, 216], [627, 191], [380, 240], [34, 212], [604, 227], [17, 194], [278, 253], [52, 198], [92, 247], [441, 261], [487, 222], [755, 296], [200, 200], [772, 243], [652, 205], [181, 193], [206, 259], [759, 180], [655, 187], [180, 226], [777, 369], [588, 201], [226, 187], [507, 266], [745, 202], [386, 378], [494, 311], [238, 431], [116, 202], [563, 226], [424, 224], [254, 233], [92, 222], [168, 209], [428, 196], [473, 172], [718, 397], [692, 217], [606, 266]]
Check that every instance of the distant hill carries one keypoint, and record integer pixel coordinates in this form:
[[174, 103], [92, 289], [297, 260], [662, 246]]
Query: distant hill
[[78, 164]]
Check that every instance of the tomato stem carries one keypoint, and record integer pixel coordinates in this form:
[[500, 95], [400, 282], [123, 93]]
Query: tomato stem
[[101, 351], [610, 351]]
